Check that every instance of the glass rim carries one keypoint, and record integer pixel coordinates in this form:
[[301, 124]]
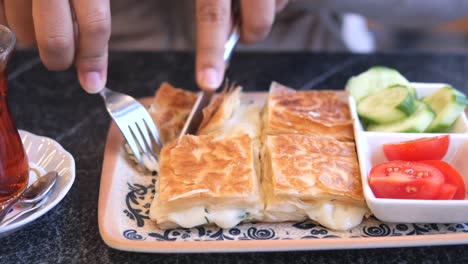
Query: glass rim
[[9, 47]]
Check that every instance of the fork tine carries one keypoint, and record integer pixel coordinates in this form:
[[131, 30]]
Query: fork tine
[[131, 143], [153, 131], [140, 124], [135, 123], [138, 138]]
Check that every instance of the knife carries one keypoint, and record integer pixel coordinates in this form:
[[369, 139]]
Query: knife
[[196, 114]]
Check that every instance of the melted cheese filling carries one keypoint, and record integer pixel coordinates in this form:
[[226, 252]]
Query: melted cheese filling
[[199, 215], [245, 120], [332, 214], [336, 215]]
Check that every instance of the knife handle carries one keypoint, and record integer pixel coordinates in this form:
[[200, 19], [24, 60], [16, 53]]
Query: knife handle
[[235, 33]]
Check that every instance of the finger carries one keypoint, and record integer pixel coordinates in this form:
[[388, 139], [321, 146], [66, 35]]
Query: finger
[[213, 23], [3, 19], [257, 18], [54, 33], [19, 15], [94, 26]]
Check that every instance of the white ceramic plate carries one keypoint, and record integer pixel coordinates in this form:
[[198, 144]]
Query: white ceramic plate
[[125, 196], [45, 154]]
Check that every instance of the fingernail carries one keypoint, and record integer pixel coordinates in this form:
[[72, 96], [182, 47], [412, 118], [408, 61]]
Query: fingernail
[[92, 82], [209, 78]]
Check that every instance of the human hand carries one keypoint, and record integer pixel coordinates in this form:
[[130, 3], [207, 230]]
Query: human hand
[[214, 23], [65, 32]]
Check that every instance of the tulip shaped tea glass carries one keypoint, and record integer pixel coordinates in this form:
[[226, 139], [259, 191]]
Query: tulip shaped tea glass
[[13, 161]]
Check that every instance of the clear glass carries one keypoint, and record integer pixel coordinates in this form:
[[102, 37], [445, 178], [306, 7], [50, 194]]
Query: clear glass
[[13, 160]]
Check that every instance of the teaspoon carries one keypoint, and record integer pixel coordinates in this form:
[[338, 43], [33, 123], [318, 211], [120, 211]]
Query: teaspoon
[[34, 193]]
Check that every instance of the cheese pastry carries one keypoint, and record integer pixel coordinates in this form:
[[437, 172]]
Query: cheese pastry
[[169, 110], [314, 177], [203, 180], [323, 112]]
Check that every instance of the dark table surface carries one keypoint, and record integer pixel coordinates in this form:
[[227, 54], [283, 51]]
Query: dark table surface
[[52, 104]]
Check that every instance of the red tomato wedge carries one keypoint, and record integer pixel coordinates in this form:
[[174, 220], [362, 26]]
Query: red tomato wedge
[[405, 180], [447, 191], [452, 176], [428, 148]]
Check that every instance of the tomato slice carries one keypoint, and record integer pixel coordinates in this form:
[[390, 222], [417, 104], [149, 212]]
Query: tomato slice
[[447, 191], [405, 180], [452, 176], [428, 148]]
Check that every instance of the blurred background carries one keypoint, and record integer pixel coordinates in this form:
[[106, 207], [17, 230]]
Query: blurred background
[[360, 26]]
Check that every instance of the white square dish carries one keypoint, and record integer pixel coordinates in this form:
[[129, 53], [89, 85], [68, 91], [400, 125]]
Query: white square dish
[[370, 153]]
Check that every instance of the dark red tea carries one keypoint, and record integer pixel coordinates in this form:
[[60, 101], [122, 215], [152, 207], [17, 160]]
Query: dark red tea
[[13, 161]]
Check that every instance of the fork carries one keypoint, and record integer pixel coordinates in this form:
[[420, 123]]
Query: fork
[[134, 122]]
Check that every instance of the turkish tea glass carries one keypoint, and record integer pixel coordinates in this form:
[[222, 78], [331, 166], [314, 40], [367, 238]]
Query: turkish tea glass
[[14, 171]]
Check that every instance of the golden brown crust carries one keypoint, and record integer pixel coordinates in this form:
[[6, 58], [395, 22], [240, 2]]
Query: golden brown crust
[[307, 112], [310, 167], [199, 166], [171, 107]]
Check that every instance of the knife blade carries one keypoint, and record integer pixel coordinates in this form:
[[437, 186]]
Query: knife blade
[[196, 114]]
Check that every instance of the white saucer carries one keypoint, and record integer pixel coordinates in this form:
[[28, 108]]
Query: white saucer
[[45, 154]]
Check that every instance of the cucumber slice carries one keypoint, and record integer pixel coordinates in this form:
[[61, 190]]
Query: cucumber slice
[[417, 122], [413, 92], [387, 105], [448, 103], [373, 80]]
